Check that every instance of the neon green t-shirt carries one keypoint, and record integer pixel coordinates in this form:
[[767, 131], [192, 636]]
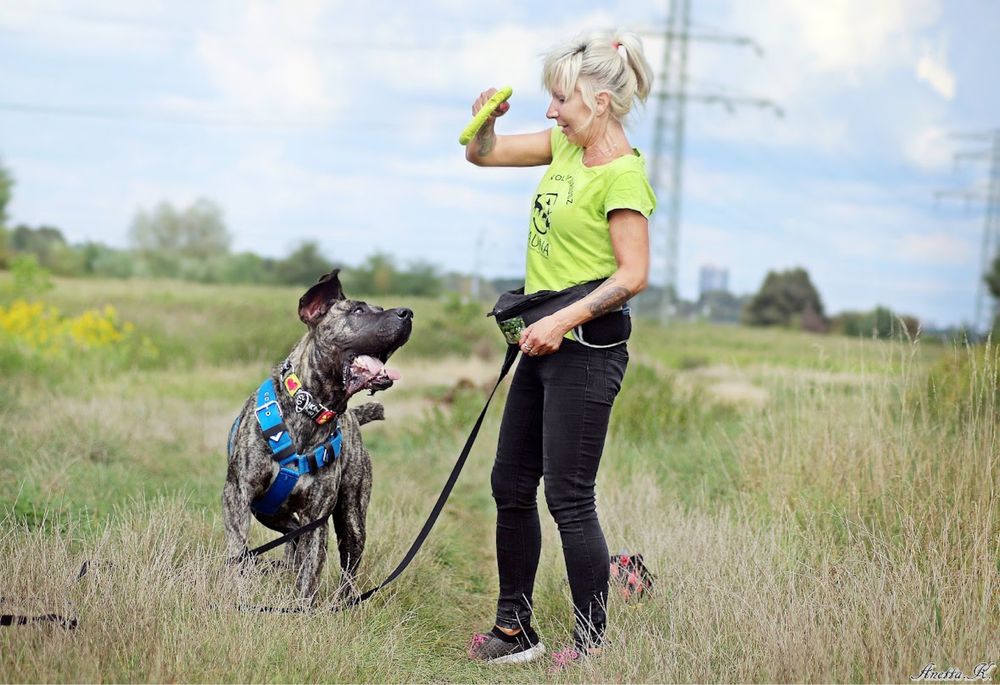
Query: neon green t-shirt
[[568, 238]]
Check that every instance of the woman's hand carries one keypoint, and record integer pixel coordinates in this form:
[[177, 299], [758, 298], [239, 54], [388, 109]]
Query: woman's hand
[[521, 149], [484, 141], [543, 337], [482, 99]]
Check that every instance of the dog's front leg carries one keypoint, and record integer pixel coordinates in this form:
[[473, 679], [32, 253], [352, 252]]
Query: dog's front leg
[[310, 556], [290, 547], [236, 519], [349, 522]]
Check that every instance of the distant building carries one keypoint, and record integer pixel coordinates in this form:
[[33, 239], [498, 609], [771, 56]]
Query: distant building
[[712, 278]]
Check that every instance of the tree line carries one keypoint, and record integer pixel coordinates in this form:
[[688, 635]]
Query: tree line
[[789, 299], [193, 243]]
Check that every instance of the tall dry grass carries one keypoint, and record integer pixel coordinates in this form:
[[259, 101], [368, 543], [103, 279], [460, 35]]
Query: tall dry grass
[[864, 543], [844, 528]]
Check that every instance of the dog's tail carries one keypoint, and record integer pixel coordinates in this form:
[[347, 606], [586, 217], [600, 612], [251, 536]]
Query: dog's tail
[[369, 411]]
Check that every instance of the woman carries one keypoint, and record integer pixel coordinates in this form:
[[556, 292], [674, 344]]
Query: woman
[[589, 221]]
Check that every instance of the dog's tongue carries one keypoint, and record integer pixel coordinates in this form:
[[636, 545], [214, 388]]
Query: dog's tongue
[[368, 372]]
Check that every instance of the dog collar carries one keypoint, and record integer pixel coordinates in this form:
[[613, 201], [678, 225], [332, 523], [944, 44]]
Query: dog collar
[[305, 403]]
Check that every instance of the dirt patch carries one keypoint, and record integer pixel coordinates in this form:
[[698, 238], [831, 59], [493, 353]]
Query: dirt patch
[[817, 376], [725, 384], [739, 392]]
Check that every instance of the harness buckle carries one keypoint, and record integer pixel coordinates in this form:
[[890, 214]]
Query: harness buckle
[[266, 405]]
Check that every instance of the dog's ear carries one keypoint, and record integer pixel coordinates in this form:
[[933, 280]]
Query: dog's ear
[[317, 300]]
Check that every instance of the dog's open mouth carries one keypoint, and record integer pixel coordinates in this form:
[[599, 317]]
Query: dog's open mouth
[[365, 372]]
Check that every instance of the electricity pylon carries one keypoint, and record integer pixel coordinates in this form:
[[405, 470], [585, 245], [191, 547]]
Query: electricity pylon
[[990, 197], [672, 97]]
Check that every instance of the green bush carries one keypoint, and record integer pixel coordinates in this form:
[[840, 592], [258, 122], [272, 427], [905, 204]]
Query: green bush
[[455, 327], [881, 323], [965, 384], [30, 279], [650, 407]]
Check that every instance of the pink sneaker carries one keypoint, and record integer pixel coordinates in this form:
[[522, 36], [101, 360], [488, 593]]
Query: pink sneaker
[[499, 648], [565, 658]]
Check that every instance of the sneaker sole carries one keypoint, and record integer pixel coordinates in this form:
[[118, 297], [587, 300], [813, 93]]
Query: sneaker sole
[[521, 657]]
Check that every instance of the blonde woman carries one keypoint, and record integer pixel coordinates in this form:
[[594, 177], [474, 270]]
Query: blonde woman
[[589, 221]]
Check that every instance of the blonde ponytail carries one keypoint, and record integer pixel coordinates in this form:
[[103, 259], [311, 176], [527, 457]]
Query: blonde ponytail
[[604, 61]]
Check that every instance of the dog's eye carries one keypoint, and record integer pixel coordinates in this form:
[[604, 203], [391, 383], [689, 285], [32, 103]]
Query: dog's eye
[[358, 310]]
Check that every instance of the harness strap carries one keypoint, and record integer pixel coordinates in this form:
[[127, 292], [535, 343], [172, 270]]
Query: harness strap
[[279, 441]]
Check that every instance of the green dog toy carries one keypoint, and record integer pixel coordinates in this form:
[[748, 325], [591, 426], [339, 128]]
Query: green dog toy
[[500, 97]]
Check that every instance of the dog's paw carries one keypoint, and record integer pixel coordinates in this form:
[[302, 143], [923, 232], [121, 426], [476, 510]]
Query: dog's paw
[[272, 565], [347, 593], [369, 411], [245, 563]]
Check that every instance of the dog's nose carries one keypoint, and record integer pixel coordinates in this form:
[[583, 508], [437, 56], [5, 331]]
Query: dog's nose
[[404, 313]]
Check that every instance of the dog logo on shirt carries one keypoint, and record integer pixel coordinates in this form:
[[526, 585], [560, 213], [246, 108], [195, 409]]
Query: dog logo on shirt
[[541, 211]]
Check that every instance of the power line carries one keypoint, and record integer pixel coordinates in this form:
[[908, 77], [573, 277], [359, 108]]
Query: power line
[[125, 114], [989, 195], [141, 30], [707, 37]]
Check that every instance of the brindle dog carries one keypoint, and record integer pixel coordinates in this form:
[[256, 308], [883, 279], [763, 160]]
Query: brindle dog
[[343, 352]]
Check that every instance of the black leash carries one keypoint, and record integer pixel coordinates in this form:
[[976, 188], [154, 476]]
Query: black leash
[[508, 362], [60, 620], [287, 537]]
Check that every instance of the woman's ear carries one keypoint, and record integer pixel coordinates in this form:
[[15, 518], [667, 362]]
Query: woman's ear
[[603, 102]]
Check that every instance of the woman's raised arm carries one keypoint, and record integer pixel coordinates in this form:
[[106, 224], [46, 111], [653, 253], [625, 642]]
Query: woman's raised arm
[[488, 149]]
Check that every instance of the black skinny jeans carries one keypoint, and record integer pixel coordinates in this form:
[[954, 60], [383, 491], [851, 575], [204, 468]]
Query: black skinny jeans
[[554, 425]]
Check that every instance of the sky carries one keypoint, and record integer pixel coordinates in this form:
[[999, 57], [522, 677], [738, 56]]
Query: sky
[[338, 121]]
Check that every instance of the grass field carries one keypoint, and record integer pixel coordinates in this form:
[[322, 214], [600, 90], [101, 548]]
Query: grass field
[[814, 508]]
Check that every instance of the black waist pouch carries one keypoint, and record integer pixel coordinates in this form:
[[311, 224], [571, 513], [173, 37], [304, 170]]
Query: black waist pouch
[[515, 311], [609, 330]]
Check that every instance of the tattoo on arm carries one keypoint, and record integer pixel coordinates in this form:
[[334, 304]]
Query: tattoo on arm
[[486, 139], [608, 299]]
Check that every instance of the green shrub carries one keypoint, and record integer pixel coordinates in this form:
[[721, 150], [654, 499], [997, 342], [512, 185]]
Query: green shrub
[[455, 327], [650, 407], [965, 384]]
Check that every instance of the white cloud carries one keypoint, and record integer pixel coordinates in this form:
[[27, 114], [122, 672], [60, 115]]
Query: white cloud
[[474, 59], [272, 61], [468, 66], [930, 148], [820, 60], [936, 248], [932, 67], [843, 37], [105, 26]]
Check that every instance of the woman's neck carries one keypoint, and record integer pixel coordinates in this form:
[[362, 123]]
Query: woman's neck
[[608, 143]]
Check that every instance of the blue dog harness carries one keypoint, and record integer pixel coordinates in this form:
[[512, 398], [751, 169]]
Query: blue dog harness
[[292, 464]]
